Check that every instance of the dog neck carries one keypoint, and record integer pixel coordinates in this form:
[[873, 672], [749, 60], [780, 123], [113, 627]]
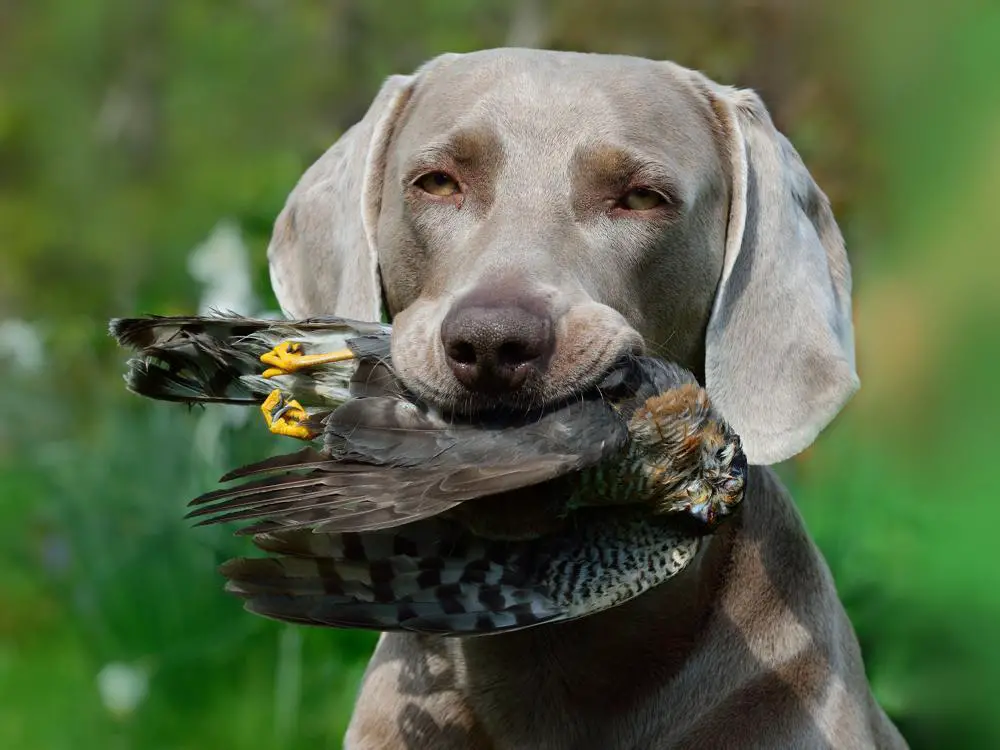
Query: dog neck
[[605, 661]]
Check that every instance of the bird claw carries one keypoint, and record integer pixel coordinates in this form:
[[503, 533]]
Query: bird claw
[[288, 357], [285, 418]]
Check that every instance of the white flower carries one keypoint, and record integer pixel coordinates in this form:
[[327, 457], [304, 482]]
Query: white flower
[[221, 265], [21, 344], [123, 687]]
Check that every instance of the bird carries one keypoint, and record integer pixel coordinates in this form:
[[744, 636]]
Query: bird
[[647, 431], [401, 515]]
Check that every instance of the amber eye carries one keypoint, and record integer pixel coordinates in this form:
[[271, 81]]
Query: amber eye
[[437, 183], [642, 199]]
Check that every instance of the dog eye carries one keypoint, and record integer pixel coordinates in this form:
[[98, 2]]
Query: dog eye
[[437, 183], [641, 199]]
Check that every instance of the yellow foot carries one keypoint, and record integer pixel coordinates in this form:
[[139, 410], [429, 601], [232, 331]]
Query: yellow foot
[[285, 419], [287, 357]]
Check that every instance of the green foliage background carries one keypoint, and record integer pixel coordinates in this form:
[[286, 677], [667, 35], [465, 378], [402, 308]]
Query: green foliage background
[[128, 131]]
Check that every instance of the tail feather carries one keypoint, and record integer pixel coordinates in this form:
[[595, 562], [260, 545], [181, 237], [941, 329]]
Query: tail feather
[[194, 359], [431, 576], [216, 358], [422, 579], [418, 540], [159, 330], [169, 378]]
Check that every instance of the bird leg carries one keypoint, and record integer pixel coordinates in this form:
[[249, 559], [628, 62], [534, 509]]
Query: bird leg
[[287, 357], [285, 418]]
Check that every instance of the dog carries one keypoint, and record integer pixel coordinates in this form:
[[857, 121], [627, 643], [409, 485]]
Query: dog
[[524, 218]]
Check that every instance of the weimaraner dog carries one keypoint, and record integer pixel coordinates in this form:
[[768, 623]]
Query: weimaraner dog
[[525, 217]]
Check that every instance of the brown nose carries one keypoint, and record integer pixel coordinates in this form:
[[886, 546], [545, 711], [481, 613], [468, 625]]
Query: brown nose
[[492, 345]]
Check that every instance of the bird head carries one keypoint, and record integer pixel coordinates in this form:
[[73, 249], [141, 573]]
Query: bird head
[[693, 458]]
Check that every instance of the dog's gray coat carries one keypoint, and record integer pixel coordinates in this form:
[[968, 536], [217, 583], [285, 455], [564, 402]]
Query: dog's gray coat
[[741, 276]]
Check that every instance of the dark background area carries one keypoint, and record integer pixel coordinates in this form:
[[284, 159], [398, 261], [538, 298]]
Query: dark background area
[[145, 149]]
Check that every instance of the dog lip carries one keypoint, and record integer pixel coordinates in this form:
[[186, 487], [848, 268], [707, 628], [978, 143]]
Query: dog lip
[[531, 394], [495, 380]]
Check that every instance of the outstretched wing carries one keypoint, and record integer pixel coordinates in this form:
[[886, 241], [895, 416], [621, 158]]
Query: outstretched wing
[[390, 462], [204, 359]]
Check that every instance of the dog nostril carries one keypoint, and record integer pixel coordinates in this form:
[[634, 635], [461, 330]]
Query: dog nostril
[[496, 348], [513, 353], [462, 352]]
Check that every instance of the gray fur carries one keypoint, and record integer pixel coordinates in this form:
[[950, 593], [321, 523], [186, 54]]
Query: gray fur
[[744, 281]]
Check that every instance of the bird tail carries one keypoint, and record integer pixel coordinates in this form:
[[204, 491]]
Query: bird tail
[[423, 578], [217, 358], [432, 577]]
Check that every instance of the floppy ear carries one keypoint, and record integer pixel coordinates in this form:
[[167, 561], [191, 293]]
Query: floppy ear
[[780, 341], [322, 256]]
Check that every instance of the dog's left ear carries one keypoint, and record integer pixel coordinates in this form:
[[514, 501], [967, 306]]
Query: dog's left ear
[[780, 341]]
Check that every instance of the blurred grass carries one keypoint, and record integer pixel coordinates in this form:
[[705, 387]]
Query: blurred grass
[[129, 131], [115, 575]]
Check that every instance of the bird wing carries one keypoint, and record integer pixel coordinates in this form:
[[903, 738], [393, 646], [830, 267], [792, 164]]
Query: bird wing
[[389, 462], [389, 431]]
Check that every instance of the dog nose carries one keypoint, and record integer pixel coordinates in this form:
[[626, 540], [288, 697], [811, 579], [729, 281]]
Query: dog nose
[[494, 347]]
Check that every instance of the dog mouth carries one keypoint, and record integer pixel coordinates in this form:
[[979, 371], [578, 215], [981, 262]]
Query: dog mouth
[[536, 392]]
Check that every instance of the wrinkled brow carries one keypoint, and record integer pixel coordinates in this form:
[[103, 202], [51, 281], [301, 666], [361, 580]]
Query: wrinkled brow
[[620, 168], [466, 149]]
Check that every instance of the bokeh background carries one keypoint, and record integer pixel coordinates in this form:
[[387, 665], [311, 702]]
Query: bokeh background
[[145, 149]]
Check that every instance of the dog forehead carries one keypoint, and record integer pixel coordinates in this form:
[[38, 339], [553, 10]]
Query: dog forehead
[[558, 99]]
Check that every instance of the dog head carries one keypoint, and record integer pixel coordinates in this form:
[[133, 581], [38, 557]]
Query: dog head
[[526, 217]]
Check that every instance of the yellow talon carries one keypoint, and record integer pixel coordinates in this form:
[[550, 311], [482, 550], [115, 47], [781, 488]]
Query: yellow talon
[[270, 404], [272, 372], [281, 427], [285, 420], [287, 357]]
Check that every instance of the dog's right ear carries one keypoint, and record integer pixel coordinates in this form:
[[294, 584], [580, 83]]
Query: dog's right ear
[[322, 256]]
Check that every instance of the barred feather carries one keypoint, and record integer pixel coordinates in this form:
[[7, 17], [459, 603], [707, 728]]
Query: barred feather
[[432, 577]]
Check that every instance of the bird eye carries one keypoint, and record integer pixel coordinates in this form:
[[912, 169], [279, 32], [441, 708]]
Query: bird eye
[[439, 184], [739, 466], [641, 199]]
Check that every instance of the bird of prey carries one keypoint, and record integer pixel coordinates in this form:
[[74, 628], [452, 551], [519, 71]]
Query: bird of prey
[[402, 516]]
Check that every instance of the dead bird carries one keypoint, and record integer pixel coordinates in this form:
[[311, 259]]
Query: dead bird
[[405, 518], [646, 435]]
